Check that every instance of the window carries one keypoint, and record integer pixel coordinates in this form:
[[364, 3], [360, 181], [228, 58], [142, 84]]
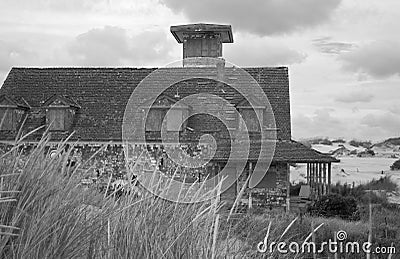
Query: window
[[251, 109], [55, 119], [250, 119], [163, 106], [174, 120], [202, 47], [59, 119], [12, 111], [60, 112], [156, 116], [154, 119], [7, 119]]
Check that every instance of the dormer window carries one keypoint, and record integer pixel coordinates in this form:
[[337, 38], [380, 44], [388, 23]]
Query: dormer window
[[59, 119], [252, 115], [11, 113], [162, 107], [154, 119], [250, 119], [60, 113], [7, 117]]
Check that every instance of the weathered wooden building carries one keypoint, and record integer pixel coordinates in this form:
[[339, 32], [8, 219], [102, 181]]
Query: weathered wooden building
[[91, 102]]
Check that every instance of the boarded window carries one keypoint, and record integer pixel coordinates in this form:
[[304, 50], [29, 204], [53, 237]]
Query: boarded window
[[154, 119], [56, 119], [7, 119], [202, 48], [174, 120], [250, 118]]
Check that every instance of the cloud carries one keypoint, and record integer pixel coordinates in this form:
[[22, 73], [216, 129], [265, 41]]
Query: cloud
[[326, 45], [321, 123], [59, 5], [372, 126], [262, 17], [386, 122], [110, 46], [355, 97], [251, 50], [14, 53], [395, 108], [379, 59]]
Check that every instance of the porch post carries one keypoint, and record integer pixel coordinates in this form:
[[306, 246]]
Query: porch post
[[288, 188], [308, 174], [316, 179], [329, 177], [312, 177], [320, 179], [324, 181]]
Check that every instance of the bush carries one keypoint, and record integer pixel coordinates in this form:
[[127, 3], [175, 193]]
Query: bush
[[364, 144], [367, 192], [341, 141], [395, 165], [335, 205], [366, 153], [326, 142], [393, 141], [384, 183]]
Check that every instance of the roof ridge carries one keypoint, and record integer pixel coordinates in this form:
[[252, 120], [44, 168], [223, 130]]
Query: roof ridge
[[77, 67], [132, 68]]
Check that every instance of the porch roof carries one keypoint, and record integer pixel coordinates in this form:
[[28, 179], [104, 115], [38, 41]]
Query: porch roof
[[285, 151]]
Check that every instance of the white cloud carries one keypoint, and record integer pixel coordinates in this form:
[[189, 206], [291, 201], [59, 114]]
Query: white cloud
[[251, 50], [328, 46], [355, 97], [110, 46], [321, 123], [378, 59], [14, 53], [386, 122], [58, 5]]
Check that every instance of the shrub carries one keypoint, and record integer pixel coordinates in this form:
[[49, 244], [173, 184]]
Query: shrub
[[384, 183], [341, 141], [366, 153], [326, 142], [364, 144], [367, 192], [335, 205], [353, 152], [393, 141], [395, 165]]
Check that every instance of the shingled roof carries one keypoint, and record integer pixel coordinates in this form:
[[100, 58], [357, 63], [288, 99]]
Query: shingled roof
[[101, 94], [285, 151]]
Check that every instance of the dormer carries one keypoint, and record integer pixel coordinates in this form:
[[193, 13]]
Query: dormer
[[250, 112], [60, 112], [158, 110], [12, 112]]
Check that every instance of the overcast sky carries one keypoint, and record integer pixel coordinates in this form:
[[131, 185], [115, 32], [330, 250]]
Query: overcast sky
[[343, 55]]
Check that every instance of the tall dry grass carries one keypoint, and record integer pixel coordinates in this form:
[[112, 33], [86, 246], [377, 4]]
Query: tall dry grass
[[46, 213]]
